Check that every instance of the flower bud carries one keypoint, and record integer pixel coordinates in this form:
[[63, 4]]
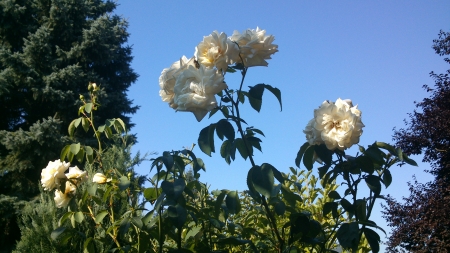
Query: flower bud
[[81, 97], [100, 178]]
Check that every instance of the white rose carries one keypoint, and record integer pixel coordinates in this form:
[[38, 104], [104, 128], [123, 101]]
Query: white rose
[[312, 135], [195, 90], [169, 76], [217, 50], [53, 173], [255, 46], [63, 199], [77, 174], [100, 178], [339, 124]]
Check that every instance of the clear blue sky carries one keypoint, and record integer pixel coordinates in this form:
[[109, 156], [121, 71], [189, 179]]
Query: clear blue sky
[[377, 53]]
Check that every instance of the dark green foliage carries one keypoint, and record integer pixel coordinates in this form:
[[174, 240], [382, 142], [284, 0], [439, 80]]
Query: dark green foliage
[[49, 52]]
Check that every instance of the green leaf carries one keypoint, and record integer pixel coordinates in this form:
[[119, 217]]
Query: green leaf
[[121, 123], [77, 122], [218, 203], [74, 148], [71, 128], [280, 208], [334, 195], [276, 172], [168, 161], [178, 187], [308, 160], [300, 153], [387, 178], [276, 92], [57, 232], [99, 217], [79, 217], [137, 221], [108, 132], [348, 207], [206, 139], [224, 128], [347, 235], [329, 207], [375, 153], [361, 209], [252, 191], [387, 147], [64, 152], [85, 124], [262, 179], [255, 96], [92, 189], [101, 128], [241, 147], [373, 238], [365, 163], [124, 183], [225, 150], [88, 246], [88, 107], [233, 203], [373, 182], [151, 194], [409, 161], [80, 155]]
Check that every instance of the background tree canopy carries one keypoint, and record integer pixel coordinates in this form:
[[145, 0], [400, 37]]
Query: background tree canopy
[[49, 52], [421, 222]]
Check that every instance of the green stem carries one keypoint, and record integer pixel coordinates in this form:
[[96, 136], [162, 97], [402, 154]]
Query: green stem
[[269, 214]]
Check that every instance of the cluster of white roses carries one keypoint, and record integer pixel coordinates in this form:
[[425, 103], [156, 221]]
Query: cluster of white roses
[[54, 175], [191, 84], [337, 125]]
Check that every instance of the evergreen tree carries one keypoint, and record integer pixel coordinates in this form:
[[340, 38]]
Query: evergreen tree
[[49, 52], [421, 223]]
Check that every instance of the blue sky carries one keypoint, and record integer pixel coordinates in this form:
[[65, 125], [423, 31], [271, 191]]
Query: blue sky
[[377, 53]]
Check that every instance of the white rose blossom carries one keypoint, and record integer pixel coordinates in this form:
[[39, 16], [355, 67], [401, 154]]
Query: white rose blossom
[[337, 124], [255, 46], [195, 90], [217, 50], [63, 199], [51, 176], [100, 178], [169, 76], [76, 174]]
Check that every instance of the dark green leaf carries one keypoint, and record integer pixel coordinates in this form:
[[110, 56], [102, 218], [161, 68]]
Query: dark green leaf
[[334, 195], [300, 153], [373, 182], [233, 203], [206, 139], [280, 208], [262, 179], [348, 207], [373, 238], [124, 183], [255, 96], [387, 178], [308, 160], [365, 163], [252, 191], [361, 212], [347, 235], [276, 92], [387, 147], [224, 128], [323, 153], [167, 159], [92, 189], [242, 148], [88, 246]]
